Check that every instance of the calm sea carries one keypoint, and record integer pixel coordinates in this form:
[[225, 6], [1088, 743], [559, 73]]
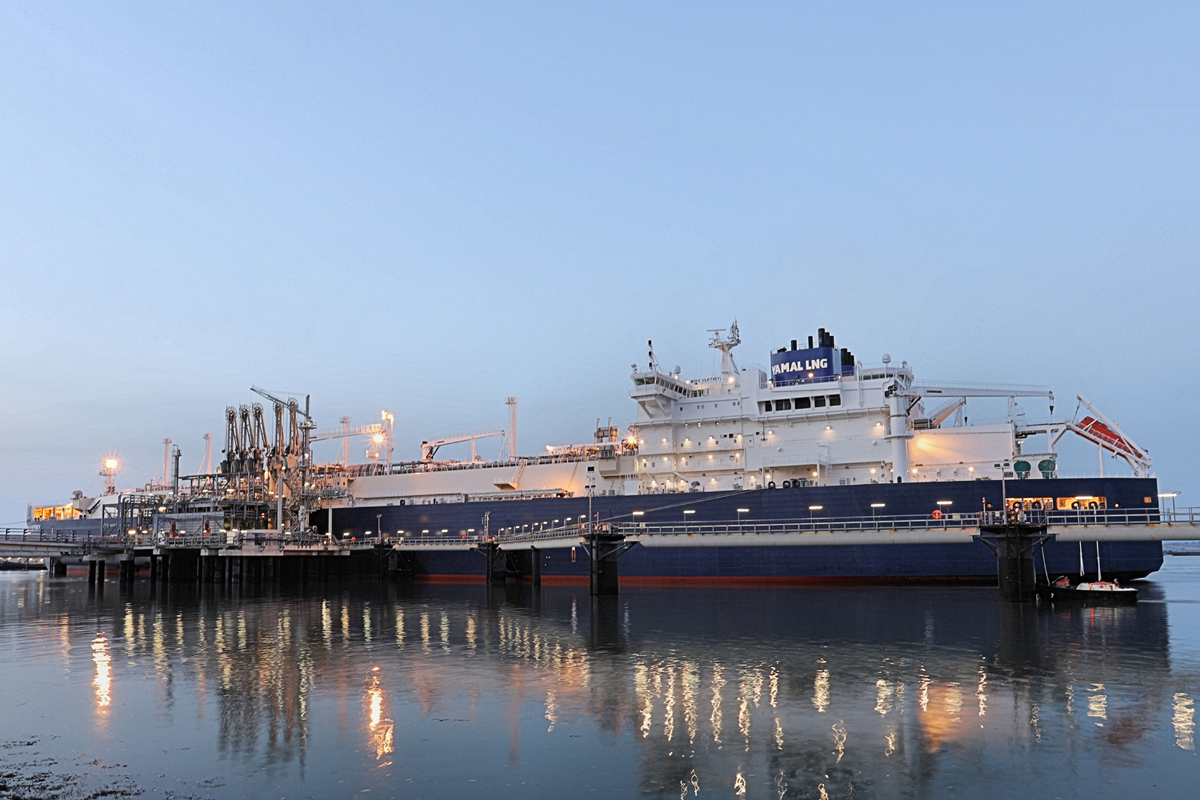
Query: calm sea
[[385, 690]]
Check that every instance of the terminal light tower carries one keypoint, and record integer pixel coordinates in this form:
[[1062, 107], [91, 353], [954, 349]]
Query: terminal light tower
[[109, 473]]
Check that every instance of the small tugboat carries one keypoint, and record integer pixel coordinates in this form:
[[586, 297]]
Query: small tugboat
[[1097, 592]]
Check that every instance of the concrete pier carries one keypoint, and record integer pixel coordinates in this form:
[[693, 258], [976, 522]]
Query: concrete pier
[[1015, 544], [605, 549], [127, 568], [497, 564]]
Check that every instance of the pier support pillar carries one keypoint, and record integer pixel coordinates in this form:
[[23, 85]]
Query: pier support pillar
[[605, 550], [91, 572], [497, 566], [1015, 545], [55, 567], [153, 569], [127, 568], [535, 566], [99, 571], [183, 566]]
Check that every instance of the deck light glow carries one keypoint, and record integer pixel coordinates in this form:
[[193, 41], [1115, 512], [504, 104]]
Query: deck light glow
[[689, 511], [743, 511], [639, 513], [878, 505], [110, 463], [944, 502], [815, 508]]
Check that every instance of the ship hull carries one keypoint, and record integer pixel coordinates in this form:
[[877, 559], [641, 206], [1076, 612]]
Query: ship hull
[[756, 564]]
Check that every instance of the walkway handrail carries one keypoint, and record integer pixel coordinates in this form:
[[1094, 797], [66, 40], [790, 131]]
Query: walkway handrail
[[908, 522], [1084, 517]]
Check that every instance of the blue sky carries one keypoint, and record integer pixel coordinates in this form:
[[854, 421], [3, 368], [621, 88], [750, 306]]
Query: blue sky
[[428, 207]]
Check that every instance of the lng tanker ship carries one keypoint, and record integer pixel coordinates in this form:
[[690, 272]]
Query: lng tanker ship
[[815, 436]]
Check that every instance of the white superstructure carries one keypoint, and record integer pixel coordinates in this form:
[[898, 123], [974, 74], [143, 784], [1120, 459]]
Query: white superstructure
[[818, 418]]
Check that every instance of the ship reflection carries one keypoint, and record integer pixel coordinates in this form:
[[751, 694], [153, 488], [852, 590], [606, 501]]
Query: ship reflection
[[780, 693]]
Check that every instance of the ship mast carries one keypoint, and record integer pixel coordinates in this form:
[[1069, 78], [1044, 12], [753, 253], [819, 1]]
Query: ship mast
[[729, 370]]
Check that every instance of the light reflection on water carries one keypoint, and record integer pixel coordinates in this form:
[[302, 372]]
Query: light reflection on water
[[103, 679], [780, 693]]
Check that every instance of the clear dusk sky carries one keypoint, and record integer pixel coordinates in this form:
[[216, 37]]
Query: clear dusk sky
[[426, 207]]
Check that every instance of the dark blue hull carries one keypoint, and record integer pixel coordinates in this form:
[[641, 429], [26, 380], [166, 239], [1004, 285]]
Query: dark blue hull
[[757, 564]]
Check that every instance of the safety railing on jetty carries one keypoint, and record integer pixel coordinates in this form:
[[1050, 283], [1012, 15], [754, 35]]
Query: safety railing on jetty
[[935, 522], [51, 536], [1189, 517], [86, 541], [434, 540]]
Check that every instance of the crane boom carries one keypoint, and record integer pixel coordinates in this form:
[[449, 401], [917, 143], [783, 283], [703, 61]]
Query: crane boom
[[429, 449]]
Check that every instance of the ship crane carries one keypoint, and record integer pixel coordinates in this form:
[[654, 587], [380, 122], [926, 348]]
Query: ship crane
[[380, 434], [429, 449], [939, 416]]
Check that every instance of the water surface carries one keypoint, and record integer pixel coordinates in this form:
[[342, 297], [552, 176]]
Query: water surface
[[381, 690]]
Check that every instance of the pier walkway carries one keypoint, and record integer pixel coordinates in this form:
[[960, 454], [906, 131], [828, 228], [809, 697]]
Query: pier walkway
[[233, 555]]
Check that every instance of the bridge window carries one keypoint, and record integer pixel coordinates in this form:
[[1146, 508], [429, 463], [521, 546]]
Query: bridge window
[[835, 399], [819, 401], [803, 402], [783, 405], [766, 406]]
